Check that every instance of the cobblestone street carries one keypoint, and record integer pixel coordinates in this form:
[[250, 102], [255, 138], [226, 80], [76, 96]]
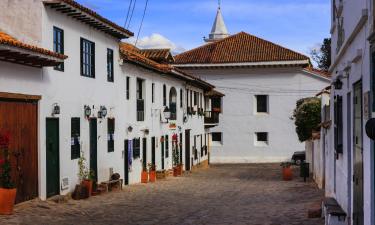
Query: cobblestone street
[[225, 194]]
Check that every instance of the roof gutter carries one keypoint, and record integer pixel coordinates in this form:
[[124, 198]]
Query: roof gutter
[[247, 64]]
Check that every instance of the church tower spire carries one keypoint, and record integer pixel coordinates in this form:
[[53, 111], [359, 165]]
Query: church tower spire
[[219, 30]]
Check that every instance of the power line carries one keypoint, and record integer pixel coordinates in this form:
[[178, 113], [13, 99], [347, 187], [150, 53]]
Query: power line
[[127, 14], [140, 27], [131, 15]]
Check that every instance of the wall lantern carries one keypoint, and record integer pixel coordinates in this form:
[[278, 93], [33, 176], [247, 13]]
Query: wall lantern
[[338, 84], [55, 109], [147, 131], [130, 128], [87, 111], [167, 113], [102, 112]]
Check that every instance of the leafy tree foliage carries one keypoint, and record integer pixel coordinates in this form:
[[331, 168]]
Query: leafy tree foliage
[[323, 56], [307, 117]]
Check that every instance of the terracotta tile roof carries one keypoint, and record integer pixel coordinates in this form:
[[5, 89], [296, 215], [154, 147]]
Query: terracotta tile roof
[[214, 93], [8, 40], [238, 48], [318, 72], [133, 54], [90, 12], [158, 55]]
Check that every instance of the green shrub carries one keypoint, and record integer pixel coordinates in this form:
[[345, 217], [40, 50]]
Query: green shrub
[[307, 117]]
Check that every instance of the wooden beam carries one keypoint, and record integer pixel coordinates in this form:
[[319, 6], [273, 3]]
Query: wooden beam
[[17, 96]]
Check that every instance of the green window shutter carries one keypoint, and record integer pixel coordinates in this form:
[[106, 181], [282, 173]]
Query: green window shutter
[[111, 134]]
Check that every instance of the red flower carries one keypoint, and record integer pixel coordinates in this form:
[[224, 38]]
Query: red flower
[[2, 161], [4, 139]]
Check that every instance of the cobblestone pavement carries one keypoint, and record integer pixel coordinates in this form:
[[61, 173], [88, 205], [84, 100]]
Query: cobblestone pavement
[[225, 194]]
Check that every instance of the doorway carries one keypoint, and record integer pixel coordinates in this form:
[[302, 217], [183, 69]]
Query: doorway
[[162, 153], [153, 151], [358, 156], [144, 153], [19, 118], [52, 157], [94, 148], [187, 150], [126, 162]]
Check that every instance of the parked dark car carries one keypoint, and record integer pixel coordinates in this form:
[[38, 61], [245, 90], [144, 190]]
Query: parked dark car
[[299, 157]]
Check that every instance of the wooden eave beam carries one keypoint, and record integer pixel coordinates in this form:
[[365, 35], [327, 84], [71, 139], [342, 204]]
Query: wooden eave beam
[[16, 96]]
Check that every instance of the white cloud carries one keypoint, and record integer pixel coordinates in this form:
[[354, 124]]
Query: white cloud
[[157, 41]]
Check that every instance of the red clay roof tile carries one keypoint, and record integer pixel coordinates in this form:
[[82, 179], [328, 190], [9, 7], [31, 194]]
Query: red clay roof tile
[[8, 40], [238, 48]]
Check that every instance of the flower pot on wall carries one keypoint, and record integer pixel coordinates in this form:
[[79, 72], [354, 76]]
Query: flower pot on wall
[[152, 176], [287, 173], [144, 177], [88, 185], [7, 200]]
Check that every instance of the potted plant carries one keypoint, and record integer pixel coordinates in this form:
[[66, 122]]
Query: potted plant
[[151, 172], [86, 176], [8, 191], [287, 171], [176, 158], [144, 175]]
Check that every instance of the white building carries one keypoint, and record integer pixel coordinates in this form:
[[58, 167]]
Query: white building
[[350, 157], [101, 101], [262, 82]]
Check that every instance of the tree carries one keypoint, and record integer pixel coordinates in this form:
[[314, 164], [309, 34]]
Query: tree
[[307, 117], [323, 56]]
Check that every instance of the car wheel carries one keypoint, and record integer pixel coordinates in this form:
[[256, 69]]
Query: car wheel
[[298, 162]]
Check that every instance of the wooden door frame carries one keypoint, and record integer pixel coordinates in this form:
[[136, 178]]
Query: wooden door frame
[[58, 145]]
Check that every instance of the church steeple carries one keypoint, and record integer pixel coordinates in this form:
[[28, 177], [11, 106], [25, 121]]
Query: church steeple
[[219, 30]]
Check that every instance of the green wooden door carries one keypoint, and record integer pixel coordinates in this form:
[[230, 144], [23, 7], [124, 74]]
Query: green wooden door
[[52, 157], [94, 147], [358, 156]]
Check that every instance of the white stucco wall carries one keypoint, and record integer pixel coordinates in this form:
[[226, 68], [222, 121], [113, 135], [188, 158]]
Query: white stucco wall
[[28, 27], [342, 169], [239, 122], [72, 92]]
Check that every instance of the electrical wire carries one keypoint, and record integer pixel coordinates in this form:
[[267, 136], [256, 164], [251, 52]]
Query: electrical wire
[[141, 25], [132, 13], [127, 14]]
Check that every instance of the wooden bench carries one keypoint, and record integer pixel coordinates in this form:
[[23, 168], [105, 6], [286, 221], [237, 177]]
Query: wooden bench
[[334, 214], [108, 184]]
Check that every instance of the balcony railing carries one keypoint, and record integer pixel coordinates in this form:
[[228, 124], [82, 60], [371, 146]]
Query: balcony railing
[[211, 117], [140, 110]]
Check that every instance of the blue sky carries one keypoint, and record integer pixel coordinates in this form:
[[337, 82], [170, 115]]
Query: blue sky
[[182, 24]]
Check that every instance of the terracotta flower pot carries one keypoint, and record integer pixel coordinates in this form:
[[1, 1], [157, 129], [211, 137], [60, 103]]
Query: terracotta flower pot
[[175, 171], [152, 176], [144, 177], [179, 167], [7, 200], [287, 173], [88, 185]]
